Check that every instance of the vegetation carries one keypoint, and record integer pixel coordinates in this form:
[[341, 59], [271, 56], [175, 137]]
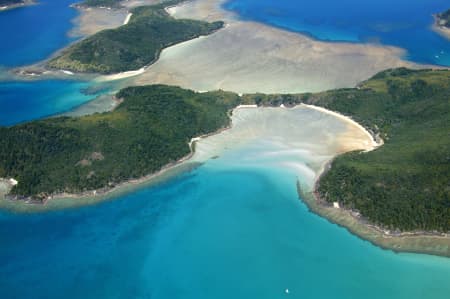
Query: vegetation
[[405, 184], [100, 3], [444, 18], [149, 130], [133, 45]]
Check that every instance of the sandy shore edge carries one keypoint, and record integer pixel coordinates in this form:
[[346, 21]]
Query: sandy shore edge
[[92, 196], [423, 242]]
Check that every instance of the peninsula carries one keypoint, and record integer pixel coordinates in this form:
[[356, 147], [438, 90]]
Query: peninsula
[[134, 45]]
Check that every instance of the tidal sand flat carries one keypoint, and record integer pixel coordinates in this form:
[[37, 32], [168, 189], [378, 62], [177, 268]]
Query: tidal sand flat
[[92, 20], [233, 227], [300, 139], [251, 57]]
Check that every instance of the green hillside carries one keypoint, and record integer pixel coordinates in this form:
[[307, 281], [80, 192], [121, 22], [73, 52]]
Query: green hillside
[[134, 45]]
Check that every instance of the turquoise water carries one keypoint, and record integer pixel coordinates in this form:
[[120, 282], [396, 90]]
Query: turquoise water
[[23, 101], [219, 231], [402, 23]]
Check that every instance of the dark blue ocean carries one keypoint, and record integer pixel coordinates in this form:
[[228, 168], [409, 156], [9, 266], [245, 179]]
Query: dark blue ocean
[[402, 23]]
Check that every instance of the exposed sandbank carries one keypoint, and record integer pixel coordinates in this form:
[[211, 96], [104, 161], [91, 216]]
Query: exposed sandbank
[[92, 20], [248, 57]]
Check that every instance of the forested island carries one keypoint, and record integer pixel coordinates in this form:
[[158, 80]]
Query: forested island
[[134, 45], [402, 185]]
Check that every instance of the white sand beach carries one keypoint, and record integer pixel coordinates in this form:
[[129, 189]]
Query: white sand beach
[[127, 19]]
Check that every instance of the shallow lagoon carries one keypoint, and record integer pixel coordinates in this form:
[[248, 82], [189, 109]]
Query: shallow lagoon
[[234, 227]]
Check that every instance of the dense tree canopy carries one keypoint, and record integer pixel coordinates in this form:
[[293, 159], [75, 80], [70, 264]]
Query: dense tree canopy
[[150, 129], [134, 45], [405, 184]]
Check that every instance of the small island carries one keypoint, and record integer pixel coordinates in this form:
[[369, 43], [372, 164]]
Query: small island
[[444, 19], [10, 4], [442, 23], [134, 45]]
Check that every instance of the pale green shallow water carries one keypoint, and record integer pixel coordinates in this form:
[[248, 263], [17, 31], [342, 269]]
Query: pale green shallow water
[[232, 228]]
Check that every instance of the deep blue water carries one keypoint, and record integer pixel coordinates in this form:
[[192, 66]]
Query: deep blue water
[[402, 23], [30, 34], [217, 232]]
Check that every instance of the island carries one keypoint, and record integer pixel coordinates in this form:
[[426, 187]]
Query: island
[[444, 19], [134, 45], [402, 186], [442, 23], [10, 4]]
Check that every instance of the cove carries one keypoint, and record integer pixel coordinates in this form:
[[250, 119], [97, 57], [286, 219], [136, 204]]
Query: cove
[[233, 227], [405, 24]]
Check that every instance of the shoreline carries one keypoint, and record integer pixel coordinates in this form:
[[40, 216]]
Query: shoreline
[[422, 242], [168, 171], [415, 242], [432, 243]]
